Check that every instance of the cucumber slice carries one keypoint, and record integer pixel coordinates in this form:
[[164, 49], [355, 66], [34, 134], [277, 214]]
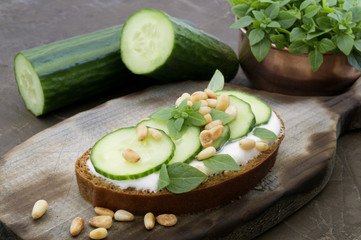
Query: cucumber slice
[[160, 46], [223, 138], [244, 121], [186, 147], [261, 110], [106, 155]]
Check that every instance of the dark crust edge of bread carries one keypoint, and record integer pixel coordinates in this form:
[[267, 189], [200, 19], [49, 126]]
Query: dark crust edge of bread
[[214, 192]]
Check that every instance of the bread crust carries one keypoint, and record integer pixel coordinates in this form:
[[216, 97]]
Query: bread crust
[[216, 191]]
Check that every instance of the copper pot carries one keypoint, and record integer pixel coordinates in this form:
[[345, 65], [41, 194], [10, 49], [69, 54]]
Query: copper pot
[[291, 74]]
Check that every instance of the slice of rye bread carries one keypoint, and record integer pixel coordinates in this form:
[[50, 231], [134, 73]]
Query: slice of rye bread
[[214, 192]]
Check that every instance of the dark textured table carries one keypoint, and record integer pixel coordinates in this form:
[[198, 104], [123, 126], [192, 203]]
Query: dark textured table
[[333, 214]]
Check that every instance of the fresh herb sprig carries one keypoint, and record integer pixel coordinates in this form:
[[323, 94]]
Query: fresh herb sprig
[[311, 26]]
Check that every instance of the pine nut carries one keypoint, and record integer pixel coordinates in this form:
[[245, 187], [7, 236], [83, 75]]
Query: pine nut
[[206, 138], [232, 110], [216, 131], [189, 103], [103, 211], [213, 124], [123, 216], [261, 146], [210, 93], [222, 102], [205, 110], [101, 221], [204, 103], [202, 169], [181, 98], [206, 153], [76, 226], [39, 209], [208, 117], [149, 221], [99, 233], [197, 96], [212, 103], [157, 135], [142, 132], [130, 155], [167, 220], [247, 144]]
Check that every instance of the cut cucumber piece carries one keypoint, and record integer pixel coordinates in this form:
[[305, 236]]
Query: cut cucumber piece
[[107, 158], [57, 74], [186, 147], [155, 44], [219, 142], [261, 110], [244, 121]]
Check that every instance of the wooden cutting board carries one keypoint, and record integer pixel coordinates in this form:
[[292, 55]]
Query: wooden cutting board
[[43, 168]]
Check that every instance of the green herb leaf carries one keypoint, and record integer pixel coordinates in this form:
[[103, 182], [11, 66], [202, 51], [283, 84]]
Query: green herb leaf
[[163, 177], [221, 162], [325, 23], [298, 47], [217, 81], [327, 45], [296, 34], [184, 178], [261, 49], [286, 19], [196, 106], [306, 3], [274, 24], [240, 10], [242, 22], [272, 11], [183, 105], [357, 44], [344, 42], [255, 36], [355, 60], [356, 13], [311, 11], [173, 131], [315, 57], [264, 133], [196, 119], [163, 114], [178, 124], [220, 115], [279, 40], [260, 16]]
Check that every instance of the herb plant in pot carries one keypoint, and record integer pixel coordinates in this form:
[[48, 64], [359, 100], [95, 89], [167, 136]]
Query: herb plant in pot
[[309, 47]]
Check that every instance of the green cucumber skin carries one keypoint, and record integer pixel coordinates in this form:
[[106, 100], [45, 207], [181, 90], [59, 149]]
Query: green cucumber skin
[[78, 67], [195, 55]]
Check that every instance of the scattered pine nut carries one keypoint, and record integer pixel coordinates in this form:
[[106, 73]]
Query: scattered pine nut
[[206, 153], [204, 103], [39, 209], [206, 138], [181, 98], [212, 103], [216, 131], [157, 135], [210, 93], [104, 211], [205, 110], [247, 144], [98, 233], [222, 102], [101, 221], [261, 146], [142, 132], [232, 110], [130, 155], [149, 221], [197, 96], [213, 124], [189, 103], [76, 226], [208, 118], [202, 169], [123, 216], [167, 220]]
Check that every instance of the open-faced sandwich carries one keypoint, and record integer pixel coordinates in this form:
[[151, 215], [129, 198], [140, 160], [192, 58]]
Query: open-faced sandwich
[[210, 148]]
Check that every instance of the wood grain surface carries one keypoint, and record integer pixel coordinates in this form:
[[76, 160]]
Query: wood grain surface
[[43, 168]]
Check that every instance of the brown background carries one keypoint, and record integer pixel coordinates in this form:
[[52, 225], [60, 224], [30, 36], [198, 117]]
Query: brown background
[[333, 214]]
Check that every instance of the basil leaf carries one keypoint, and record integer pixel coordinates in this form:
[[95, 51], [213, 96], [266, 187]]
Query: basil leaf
[[221, 162], [178, 124], [242, 22], [324, 23], [173, 132], [217, 81], [261, 49], [355, 60], [184, 178], [196, 119], [196, 106], [272, 11], [183, 105], [279, 40], [255, 36], [314, 35], [163, 114], [264, 133], [344, 42], [240, 10], [311, 11], [298, 47], [357, 44], [260, 16], [356, 13], [306, 3], [274, 24], [163, 177], [220, 115], [296, 34], [316, 59], [328, 45]]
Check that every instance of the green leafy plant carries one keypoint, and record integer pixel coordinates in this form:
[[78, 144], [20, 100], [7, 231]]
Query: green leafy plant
[[312, 26]]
